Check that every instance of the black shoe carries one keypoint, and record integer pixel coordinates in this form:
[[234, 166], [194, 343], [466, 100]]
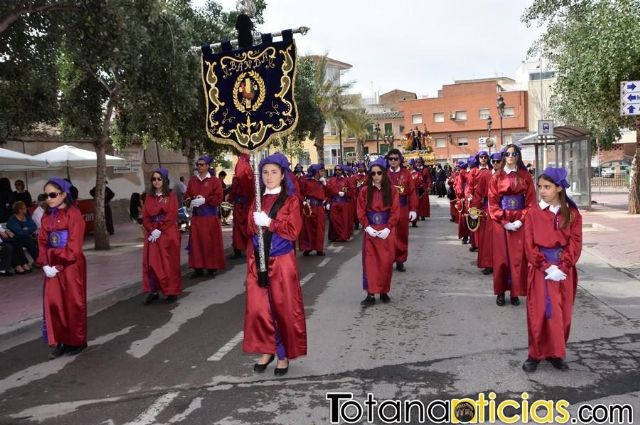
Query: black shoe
[[515, 301], [414, 224], [465, 240], [306, 253], [6, 273], [171, 299], [530, 365], [400, 267], [500, 300], [370, 300], [212, 272], [385, 298], [236, 254], [196, 274], [150, 298], [281, 371], [453, 220], [423, 218], [261, 367], [487, 271], [473, 248], [320, 253], [72, 350], [57, 351], [558, 363]]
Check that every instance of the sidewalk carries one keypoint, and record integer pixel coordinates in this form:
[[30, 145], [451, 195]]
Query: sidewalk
[[112, 276]]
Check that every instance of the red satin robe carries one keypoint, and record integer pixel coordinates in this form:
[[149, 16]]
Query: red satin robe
[[205, 236], [340, 214], [161, 259], [402, 178], [548, 337], [65, 295], [472, 176], [424, 204], [483, 234], [241, 195], [460, 185], [312, 236], [280, 307], [378, 254], [508, 254], [418, 183]]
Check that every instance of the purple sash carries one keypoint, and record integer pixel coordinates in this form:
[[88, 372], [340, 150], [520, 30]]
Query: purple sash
[[58, 239], [485, 202], [205, 211], [512, 202], [404, 200], [315, 202], [158, 218], [279, 245], [339, 199], [552, 255], [242, 200], [381, 217]]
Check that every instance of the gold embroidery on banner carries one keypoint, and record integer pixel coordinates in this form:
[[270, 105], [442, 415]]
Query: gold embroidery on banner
[[244, 92], [285, 80]]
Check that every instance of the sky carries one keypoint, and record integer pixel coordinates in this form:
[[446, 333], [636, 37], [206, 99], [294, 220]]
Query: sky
[[412, 45]]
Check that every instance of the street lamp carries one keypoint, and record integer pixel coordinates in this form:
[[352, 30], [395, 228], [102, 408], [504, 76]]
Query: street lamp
[[489, 125], [501, 105], [377, 131]]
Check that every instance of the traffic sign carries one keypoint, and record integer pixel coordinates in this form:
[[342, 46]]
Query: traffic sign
[[630, 98], [545, 127]]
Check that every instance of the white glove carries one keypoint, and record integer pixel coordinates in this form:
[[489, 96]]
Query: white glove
[[340, 194], [412, 215], [261, 219], [510, 227], [517, 224], [328, 207], [49, 271], [384, 233], [371, 232], [555, 274], [156, 233], [323, 181], [197, 202]]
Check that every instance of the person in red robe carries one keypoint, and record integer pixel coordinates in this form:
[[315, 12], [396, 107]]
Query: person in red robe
[[60, 255], [204, 195], [553, 243], [451, 195], [511, 195], [418, 183], [461, 206], [472, 174], [274, 320], [358, 181], [424, 204], [480, 200], [313, 188], [401, 179], [161, 253], [340, 192], [378, 212], [241, 195]]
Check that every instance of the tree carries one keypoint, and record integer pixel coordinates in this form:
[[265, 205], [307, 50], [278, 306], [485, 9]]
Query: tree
[[357, 122], [592, 45]]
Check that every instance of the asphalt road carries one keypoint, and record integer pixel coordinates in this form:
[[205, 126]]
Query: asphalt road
[[441, 337]]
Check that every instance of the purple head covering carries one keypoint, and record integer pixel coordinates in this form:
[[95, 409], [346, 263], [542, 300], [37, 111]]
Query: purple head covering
[[496, 156], [360, 165], [482, 153], [380, 162], [64, 185], [313, 169], [558, 175], [163, 172], [420, 160], [339, 166], [472, 162], [297, 168], [412, 162], [281, 160], [206, 158], [462, 164]]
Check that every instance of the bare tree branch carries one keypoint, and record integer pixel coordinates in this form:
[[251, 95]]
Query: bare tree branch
[[15, 14]]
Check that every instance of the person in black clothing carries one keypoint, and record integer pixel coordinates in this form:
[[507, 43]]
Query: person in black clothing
[[108, 196], [21, 194], [6, 199], [441, 178], [74, 191]]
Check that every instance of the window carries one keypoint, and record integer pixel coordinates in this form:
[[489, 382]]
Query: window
[[544, 75], [507, 139], [388, 128], [463, 141], [416, 119], [401, 129], [441, 143], [484, 113], [331, 154], [461, 115], [438, 117], [509, 112]]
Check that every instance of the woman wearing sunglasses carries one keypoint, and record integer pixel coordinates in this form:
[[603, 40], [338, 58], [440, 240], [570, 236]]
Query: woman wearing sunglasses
[[378, 213], [161, 254], [511, 195], [480, 200], [65, 286]]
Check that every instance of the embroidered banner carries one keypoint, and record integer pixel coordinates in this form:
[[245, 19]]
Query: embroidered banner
[[249, 92]]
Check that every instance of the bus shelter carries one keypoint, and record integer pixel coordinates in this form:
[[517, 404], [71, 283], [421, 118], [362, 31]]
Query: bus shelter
[[568, 147]]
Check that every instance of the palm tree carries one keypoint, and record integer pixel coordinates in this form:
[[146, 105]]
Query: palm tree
[[359, 123]]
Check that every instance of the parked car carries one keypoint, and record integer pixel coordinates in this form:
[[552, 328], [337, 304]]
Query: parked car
[[608, 172]]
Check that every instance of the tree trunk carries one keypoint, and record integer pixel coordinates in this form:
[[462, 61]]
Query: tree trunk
[[634, 188], [101, 236], [189, 151], [319, 144], [359, 150]]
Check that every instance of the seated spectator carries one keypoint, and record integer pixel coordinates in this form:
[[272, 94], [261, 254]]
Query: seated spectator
[[6, 253], [39, 211], [21, 194], [24, 228], [19, 261]]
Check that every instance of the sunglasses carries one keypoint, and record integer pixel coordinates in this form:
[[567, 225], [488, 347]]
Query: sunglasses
[[496, 161], [53, 195], [512, 154], [483, 157], [394, 158], [156, 179], [376, 173]]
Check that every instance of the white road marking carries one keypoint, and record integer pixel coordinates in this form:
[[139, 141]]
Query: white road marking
[[48, 411], [324, 262], [195, 404], [42, 370], [306, 278], [149, 416], [226, 348], [338, 249]]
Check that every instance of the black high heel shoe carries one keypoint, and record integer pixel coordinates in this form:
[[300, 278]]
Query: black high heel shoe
[[281, 371], [261, 367]]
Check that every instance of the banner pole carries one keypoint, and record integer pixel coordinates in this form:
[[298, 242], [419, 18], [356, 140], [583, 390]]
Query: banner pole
[[262, 271]]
